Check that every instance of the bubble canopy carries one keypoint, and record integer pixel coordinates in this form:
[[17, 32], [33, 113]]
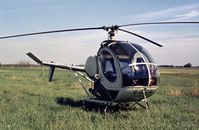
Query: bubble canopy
[[136, 64]]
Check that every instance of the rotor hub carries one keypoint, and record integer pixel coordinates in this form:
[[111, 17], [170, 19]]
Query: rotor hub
[[111, 31]]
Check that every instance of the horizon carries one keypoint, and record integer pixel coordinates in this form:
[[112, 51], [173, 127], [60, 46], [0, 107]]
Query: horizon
[[181, 42]]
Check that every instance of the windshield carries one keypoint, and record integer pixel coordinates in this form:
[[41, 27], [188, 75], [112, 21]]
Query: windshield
[[137, 65]]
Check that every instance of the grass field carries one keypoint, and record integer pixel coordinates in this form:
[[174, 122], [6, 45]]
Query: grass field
[[28, 102]]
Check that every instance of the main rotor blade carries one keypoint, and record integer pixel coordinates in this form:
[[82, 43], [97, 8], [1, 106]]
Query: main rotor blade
[[54, 31], [140, 37], [156, 23]]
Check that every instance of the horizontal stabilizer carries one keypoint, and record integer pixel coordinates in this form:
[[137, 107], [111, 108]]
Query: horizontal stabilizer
[[36, 59]]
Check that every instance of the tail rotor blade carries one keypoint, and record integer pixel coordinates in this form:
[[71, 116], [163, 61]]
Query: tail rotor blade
[[51, 73]]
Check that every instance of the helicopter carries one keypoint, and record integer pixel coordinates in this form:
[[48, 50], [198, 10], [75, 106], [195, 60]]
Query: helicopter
[[121, 73]]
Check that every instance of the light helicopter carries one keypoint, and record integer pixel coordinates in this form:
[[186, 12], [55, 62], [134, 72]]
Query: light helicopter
[[121, 73]]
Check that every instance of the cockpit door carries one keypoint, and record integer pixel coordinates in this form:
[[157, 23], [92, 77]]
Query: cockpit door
[[109, 69]]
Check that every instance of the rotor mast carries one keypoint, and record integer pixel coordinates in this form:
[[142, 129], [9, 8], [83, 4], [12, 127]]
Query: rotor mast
[[111, 32]]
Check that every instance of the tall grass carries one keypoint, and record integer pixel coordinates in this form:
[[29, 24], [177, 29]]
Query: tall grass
[[28, 102]]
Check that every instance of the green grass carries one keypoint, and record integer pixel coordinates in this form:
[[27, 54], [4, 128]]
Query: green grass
[[28, 102]]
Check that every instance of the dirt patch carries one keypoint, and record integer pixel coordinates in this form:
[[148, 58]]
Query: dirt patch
[[175, 92], [195, 92]]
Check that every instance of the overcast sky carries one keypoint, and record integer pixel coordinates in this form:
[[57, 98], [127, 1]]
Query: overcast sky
[[181, 42]]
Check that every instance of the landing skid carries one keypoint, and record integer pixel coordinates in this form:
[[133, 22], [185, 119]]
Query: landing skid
[[146, 106], [120, 105], [103, 104]]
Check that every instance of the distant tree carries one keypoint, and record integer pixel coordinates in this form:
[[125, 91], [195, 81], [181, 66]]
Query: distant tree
[[23, 63], [166, 66], [188, 65], [171, 65]]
